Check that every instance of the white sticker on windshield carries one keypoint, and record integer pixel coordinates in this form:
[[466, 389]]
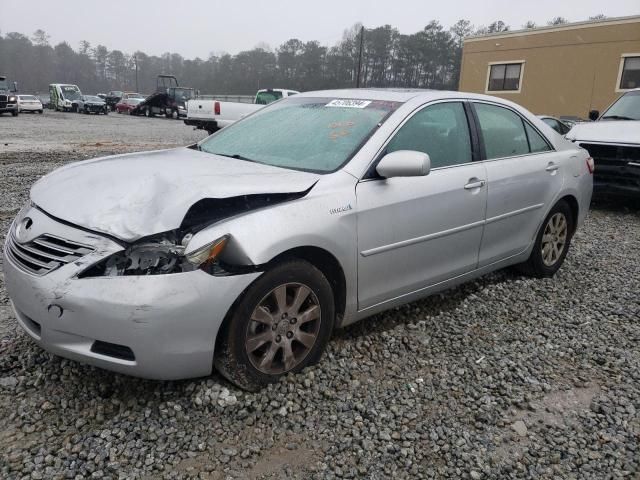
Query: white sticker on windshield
[[348, 103]]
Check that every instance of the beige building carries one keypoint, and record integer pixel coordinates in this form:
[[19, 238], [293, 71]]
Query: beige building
[[563, 70]]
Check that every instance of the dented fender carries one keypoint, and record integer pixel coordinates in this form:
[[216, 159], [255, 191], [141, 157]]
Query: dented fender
[[325, 218]]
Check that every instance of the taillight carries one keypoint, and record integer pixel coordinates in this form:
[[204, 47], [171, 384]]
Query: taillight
[[591, 165], [216, 108]]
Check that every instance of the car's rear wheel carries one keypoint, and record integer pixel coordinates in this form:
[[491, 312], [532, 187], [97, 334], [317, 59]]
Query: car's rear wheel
[[281, 324], [552, 242]]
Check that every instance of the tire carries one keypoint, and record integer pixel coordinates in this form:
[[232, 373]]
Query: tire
[[14, 113], [148, 112], [40, 112], [545, 260], [276, 333]]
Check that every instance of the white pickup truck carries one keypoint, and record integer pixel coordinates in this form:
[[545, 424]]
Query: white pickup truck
[[212, 115]]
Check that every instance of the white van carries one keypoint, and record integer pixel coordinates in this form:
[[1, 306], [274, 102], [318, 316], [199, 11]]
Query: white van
[[63, 96]]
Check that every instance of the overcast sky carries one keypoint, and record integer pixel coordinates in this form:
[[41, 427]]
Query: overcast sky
[[198, 27]]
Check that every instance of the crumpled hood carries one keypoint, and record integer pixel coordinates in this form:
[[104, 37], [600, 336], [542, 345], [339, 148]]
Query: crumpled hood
[[134, 195], [606, 131]]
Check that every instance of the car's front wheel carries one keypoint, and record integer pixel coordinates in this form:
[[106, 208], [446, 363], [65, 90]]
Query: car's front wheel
[[281, 324], [552, 242]]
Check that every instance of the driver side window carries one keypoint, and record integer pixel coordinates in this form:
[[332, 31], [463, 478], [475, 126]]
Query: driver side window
[[439, 130]]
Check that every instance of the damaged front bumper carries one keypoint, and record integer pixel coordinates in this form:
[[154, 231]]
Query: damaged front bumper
[[157, 326]]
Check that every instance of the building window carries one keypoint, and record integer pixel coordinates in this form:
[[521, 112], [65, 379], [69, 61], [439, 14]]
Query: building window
[[505, 77], [629, 72]]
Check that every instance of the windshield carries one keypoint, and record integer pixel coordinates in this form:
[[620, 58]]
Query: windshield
[[310, 134], [92, 98], [134, 101], [627, 107], [183, 94], [134, 95], [4, 85], [265, 98], [70, 92], [27, 97]]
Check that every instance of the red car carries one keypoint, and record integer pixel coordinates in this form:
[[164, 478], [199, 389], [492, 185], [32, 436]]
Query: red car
[[125, 105]]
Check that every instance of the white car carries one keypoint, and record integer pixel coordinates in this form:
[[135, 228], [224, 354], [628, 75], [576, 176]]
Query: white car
[[29, 103]]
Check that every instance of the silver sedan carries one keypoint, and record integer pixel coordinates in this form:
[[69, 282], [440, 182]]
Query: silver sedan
[[245, 251]]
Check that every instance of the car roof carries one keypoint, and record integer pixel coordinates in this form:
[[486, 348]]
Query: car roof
[[399, 94]]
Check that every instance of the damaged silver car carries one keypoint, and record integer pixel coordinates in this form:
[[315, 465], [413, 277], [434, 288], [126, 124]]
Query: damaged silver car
[[245, 251]]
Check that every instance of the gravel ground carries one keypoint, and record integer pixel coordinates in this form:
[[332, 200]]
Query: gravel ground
[[504, 377]]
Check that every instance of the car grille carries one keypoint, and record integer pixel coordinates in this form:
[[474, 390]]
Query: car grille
[[612, 163], [3, 98], [44, 253]]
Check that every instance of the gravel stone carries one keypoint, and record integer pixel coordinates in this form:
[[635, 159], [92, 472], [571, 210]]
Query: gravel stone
[[433, 389]]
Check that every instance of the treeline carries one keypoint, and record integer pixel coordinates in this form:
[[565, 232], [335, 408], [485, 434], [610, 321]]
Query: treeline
[[429, 58]]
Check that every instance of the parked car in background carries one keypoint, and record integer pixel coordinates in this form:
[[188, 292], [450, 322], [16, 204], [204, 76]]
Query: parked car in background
[[125, 105], [372, 199], [44, 99], [64, 96], [133, 95], [29, 103], [613, 140], [91, 104], [212, 115], [8, 97], [112, 98], [558, 125]]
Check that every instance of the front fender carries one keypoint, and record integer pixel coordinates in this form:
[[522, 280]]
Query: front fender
[[325, 219]]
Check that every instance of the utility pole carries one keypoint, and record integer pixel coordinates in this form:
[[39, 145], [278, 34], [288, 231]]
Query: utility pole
[[360, 56], [135, 60]]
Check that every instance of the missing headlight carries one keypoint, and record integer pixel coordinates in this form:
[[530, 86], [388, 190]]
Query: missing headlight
[[159, 255]]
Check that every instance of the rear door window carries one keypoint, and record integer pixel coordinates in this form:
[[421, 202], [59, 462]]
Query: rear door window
[[507, 134]]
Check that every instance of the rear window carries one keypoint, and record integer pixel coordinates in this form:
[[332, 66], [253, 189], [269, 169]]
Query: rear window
[[265, 98]]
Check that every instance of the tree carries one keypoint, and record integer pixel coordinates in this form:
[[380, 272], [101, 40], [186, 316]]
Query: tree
[[557, 21], [85, 48], [40, 38], [429, 58], [599, 16], [497, 26], [530, 24]]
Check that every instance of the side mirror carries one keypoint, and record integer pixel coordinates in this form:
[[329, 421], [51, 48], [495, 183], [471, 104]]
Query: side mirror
[[404, 163], [593, 115]]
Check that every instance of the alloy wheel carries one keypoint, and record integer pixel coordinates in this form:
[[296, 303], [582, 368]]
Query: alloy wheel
[[283, 329], [554, 239]]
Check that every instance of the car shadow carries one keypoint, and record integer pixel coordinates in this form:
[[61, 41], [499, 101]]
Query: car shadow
[[442, 302], [615, 204]]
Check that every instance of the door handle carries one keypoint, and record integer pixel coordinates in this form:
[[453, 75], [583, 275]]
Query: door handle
[[474, 184], [552, 167]]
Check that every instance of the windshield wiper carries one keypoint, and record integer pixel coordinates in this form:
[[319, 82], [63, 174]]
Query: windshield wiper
[[237, 156], [617, 117]]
